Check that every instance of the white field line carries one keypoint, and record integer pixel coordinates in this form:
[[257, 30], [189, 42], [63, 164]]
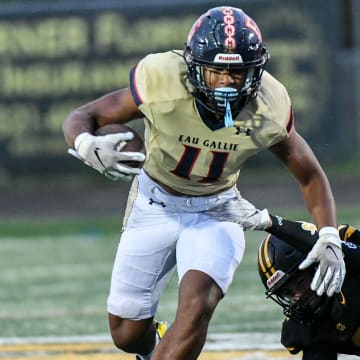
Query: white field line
[[215, 342], [63, 270], [50, 312], [258, 344]]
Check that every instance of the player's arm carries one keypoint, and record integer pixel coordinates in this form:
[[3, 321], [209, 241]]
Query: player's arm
[[116, 107], [103, 153], [302, 236], [298, 157], [295, 153]]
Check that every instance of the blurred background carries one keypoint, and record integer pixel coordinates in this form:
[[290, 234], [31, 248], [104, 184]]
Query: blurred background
[[57, 55], [54, 211]]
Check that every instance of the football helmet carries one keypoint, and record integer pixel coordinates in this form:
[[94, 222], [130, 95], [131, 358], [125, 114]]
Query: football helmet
[[287, 285], [225, 38]]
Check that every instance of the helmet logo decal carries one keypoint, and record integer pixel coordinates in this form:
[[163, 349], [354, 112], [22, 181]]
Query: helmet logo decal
[[228, 58], [278, 275], [340, 327], [229, 29], [308, 227], [251, 24]]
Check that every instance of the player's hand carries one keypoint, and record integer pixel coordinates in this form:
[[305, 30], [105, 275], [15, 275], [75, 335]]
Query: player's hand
[[241, 211], [103, 153], [330, 273]]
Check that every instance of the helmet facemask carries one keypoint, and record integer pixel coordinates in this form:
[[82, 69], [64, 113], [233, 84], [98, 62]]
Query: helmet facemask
[[222, 100], [278, 267], [292, 292], [225, 38]]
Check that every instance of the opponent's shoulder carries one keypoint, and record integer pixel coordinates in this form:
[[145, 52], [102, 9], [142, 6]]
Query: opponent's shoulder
[[160, 76], [294, 336], [349, 233]]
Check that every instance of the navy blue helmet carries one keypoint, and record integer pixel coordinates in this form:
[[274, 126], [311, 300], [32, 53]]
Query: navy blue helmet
[[225, 38]]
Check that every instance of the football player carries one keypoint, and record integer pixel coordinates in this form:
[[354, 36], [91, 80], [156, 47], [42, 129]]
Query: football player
[[320, 326], [207, 109]]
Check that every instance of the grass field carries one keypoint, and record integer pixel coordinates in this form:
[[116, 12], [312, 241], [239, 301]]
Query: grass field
[[57, 285], [54, 277]]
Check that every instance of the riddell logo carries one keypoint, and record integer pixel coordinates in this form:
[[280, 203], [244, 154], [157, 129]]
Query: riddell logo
[[275, 278], [228, 58]]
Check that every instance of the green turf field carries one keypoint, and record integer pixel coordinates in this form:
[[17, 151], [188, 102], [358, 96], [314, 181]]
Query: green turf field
[[54, 277]]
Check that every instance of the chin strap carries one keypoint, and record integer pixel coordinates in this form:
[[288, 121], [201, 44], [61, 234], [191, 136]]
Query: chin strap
[[223, 96], [228, 119]]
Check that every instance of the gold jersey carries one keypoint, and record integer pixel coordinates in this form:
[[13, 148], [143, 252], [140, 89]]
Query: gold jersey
[[182, 151]]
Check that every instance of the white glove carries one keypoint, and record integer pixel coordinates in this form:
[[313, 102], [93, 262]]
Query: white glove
[[327, 251], [241, 211], [103, 153]]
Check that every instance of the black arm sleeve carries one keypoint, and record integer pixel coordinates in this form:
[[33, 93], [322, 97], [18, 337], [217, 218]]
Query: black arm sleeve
[[297, 235], [293, 233]]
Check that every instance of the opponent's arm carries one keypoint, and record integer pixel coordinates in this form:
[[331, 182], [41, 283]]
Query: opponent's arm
[[303, 236], [300, 235], [103, 153]]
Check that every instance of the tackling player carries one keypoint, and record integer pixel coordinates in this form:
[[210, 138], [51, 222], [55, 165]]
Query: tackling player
[[207, 109], [320, 326]]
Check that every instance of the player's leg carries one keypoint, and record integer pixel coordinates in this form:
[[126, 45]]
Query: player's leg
[[143, 265], [142, 268], [208, 254], [142, 335], [133, 336], [198, 297]]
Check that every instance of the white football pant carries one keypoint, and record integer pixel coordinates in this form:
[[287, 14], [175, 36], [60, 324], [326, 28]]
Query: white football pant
[[162, 231]]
